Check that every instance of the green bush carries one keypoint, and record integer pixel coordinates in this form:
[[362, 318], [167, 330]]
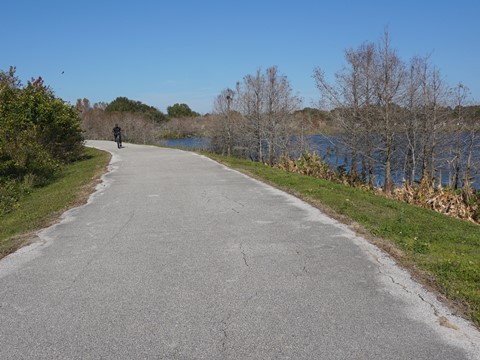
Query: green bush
[[38, 133], [123, 104]]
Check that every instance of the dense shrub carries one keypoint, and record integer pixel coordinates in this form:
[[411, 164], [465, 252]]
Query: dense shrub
[[38, 133]]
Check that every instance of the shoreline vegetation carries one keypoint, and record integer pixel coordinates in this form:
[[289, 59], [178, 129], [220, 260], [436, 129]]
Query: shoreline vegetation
[[463, 203]]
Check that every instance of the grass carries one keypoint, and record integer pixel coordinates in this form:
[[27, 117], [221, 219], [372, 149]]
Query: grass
[[441, 252], [44, 205]]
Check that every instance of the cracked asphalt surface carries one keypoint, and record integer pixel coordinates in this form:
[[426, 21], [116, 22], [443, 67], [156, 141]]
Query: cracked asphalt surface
[[178, 257]]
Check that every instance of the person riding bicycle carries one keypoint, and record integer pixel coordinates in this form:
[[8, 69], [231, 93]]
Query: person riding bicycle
[[117, 132]]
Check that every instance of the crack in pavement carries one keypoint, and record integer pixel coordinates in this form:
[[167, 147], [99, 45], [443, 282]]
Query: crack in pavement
[[225, 336], [226, 322], [244, 255], [404, 287], [452, 328], [235, 201], [443, 321], [304, 267]]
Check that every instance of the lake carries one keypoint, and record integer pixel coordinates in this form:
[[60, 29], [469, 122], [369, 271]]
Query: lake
[[333, 151]]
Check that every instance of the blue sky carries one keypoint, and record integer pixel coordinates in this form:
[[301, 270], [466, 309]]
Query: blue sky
[[166, 52]]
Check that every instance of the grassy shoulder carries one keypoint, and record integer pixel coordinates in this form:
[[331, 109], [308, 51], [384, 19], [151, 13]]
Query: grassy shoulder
[[44, 205], [441, 252]]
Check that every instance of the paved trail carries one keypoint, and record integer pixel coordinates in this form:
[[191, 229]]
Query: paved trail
[[177, 257]]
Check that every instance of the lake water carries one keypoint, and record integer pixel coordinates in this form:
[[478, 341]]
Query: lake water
[[333, 152], [188, 143]]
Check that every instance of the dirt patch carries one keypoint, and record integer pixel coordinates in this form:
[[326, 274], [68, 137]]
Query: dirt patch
[[19, 241], [443, 321]]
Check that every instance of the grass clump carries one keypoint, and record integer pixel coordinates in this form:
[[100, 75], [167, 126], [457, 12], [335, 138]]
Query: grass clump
[[38, 207], [442, 251]]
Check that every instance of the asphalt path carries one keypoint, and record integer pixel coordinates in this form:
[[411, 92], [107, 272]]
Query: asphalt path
[[177, 257]]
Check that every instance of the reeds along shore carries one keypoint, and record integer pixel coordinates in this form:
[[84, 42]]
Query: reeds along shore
[[462, 203]]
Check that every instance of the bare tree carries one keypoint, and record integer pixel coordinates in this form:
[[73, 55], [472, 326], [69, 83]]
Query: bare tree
[[368, 110], [460, 94], [389, 81], [353, 96], [433, 96], [257, 116], [472, 138], [251, 105], [411, 121], [280, 106], [225, 134]]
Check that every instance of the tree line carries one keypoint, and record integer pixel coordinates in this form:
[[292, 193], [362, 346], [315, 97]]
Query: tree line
[[139, 122]]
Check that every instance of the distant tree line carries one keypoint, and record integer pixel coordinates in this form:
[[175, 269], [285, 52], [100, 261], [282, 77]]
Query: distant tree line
[[123, 104], [140, 123], [178, 111], [38, 133], [175, 111], [137, 124]]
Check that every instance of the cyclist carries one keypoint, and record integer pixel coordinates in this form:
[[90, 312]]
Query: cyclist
[[117, 133]]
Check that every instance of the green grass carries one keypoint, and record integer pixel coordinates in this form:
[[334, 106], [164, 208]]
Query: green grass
[[43, 205], [444, 249]]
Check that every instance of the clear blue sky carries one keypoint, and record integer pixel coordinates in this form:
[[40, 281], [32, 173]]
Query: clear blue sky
[[166, 52]]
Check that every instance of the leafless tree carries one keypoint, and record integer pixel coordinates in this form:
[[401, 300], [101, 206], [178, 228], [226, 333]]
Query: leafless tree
[[412, 121], [460, 95], [389, 81], [472, 139], [280, 106], [435, 94], [368, 110], [225, 134], [353, 97], [251, 105], [257, 116]]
